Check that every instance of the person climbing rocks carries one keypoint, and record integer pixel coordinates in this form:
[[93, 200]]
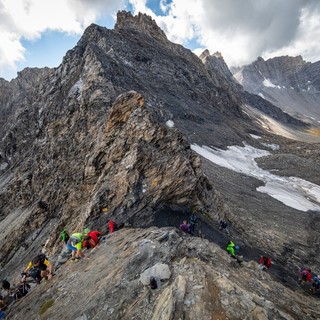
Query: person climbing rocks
[[93, 240], [264, 263], [39, 268], [315, 283], [112, 226], [223, 225], [306, 276], [3, 307], [231, 249], [75, 244], [193, 222], [5, 284], [185, 227]]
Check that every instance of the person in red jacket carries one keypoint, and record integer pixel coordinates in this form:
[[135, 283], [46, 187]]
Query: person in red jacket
[[306, 276], [111, 226], [264, 263], [93, 239]]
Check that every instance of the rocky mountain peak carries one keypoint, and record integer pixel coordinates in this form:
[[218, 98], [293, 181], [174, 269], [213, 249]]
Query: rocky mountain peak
[[140, 23], [290, 83], [216, 64]]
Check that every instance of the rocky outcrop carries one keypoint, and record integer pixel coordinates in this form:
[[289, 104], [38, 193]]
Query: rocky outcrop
[[195, 279], [140, 23], [134, 166]]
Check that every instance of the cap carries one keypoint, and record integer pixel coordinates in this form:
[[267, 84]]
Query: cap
[[85, 231]]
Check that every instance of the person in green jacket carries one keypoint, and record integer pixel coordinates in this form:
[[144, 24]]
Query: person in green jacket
[[231, 248]]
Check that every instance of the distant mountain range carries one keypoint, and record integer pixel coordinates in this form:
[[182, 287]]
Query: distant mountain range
[[289, 83]]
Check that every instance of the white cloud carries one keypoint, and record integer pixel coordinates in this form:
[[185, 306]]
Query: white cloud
[[28, 19], [243, 30], [240, 30]]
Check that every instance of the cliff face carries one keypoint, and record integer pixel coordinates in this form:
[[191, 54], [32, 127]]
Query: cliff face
[[60, 161], [290, 83], [107, 134]]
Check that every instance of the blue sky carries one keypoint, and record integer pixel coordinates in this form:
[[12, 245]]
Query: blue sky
[[38, 33]]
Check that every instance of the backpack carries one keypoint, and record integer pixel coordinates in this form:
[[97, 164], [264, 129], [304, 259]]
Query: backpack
[[5, 284], [193, 219], [21, 290], [64, 235]]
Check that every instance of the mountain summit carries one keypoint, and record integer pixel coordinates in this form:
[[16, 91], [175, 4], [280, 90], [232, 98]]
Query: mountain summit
[[110, 134]]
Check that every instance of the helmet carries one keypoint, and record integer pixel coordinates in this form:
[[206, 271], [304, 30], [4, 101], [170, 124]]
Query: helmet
[[237, 247]]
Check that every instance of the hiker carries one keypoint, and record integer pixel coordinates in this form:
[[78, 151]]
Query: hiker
[[223, 225], [231, 249], [112, 226], [21, 289], [306, 276], [65, 235], [75, 245], [94, 239], [315, 283], [5, 285], [192, 222], [3, 305], [264, 263], [39, 268], [185, 227]]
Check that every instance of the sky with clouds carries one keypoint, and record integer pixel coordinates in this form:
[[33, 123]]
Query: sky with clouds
[[38, 33]]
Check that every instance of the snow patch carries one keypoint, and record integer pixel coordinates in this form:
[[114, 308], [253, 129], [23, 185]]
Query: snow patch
[[254, 136], [170, 123], [269, 84], [261, 95], [271, 146], [291, 191], [76, 89]]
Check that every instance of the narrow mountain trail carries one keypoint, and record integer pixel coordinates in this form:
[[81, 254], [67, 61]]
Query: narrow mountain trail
[[210, 230]]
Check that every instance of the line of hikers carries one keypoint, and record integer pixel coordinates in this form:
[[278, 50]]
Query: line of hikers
[[40, 268], [265, 262]]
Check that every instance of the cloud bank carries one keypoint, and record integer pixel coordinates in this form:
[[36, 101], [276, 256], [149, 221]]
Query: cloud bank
[[28, 19], [240, 30], [243, 30]]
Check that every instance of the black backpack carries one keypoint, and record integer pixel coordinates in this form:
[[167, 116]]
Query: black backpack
[[21, 290], [5, 284], [193, 219]]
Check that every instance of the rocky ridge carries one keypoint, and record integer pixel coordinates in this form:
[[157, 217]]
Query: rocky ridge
[[92, 135], [196, 279]]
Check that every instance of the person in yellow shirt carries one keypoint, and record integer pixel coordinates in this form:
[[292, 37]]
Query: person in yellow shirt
[[39, 268]]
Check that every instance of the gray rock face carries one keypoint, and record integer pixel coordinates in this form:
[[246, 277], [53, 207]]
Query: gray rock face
[[91, 140], [203, 283], [289, 83]]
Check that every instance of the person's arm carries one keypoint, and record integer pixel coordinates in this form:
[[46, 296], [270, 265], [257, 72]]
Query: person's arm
[[49, 268], [28, 266]]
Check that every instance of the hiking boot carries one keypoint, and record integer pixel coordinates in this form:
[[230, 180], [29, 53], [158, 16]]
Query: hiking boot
[[75, 259]]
